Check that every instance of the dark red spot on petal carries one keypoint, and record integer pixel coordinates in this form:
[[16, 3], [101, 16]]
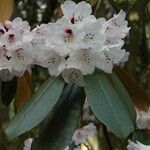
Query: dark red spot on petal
[[8, 57], [69, 31], [11, 37], [72, 20]]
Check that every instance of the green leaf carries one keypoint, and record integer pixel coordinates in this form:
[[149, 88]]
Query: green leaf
[[124, 96], [58, 127], [141, 136], [36, 109], [106, 104]]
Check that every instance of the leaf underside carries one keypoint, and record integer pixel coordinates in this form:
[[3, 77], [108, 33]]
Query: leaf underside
[[107, 105], [57, 129], [36, 109]]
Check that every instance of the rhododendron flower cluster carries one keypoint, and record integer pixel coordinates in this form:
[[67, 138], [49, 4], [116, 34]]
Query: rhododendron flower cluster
[[73, 46]]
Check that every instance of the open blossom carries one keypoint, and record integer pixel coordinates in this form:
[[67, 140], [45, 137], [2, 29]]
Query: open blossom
[[80, 135], [137, 146], [27, 144], [143, 119], [116, 29], [16, 35], [13, 55], [77, 13]]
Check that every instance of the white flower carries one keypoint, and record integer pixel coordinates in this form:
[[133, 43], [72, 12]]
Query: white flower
[[27, 144], [116, 55], [116, 29], [15, 37], [73, 46], [14, 41], [137, 146], [65, 38], [52, 62], [143, 119], [80, 135], [90, 36], [21, 26], [90, 129], [61, 37], [36, 45], [85, 42], [20, 60], [82, 60], [77, 13]]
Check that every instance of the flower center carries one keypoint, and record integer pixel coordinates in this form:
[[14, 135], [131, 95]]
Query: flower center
[[11, 37], [69, 31], [69, 35]]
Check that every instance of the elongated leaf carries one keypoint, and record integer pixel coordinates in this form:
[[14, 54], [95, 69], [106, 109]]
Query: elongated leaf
[[141, 136], [8, 87], [138, 95], [58, 128], [106, 105], [124, 96], [6, 9], [36, 109], [24, 90]]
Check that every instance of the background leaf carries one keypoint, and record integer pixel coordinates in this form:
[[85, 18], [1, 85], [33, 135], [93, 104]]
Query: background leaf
[[24, 90], [58, 127], [36, 109], [106, 104], [138, 95], [8, 87], [6, 9]]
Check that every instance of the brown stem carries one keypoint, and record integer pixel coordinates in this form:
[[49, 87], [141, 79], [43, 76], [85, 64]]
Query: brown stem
[[107, 137]]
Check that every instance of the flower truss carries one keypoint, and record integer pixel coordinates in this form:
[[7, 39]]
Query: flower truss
[[73, 46]]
